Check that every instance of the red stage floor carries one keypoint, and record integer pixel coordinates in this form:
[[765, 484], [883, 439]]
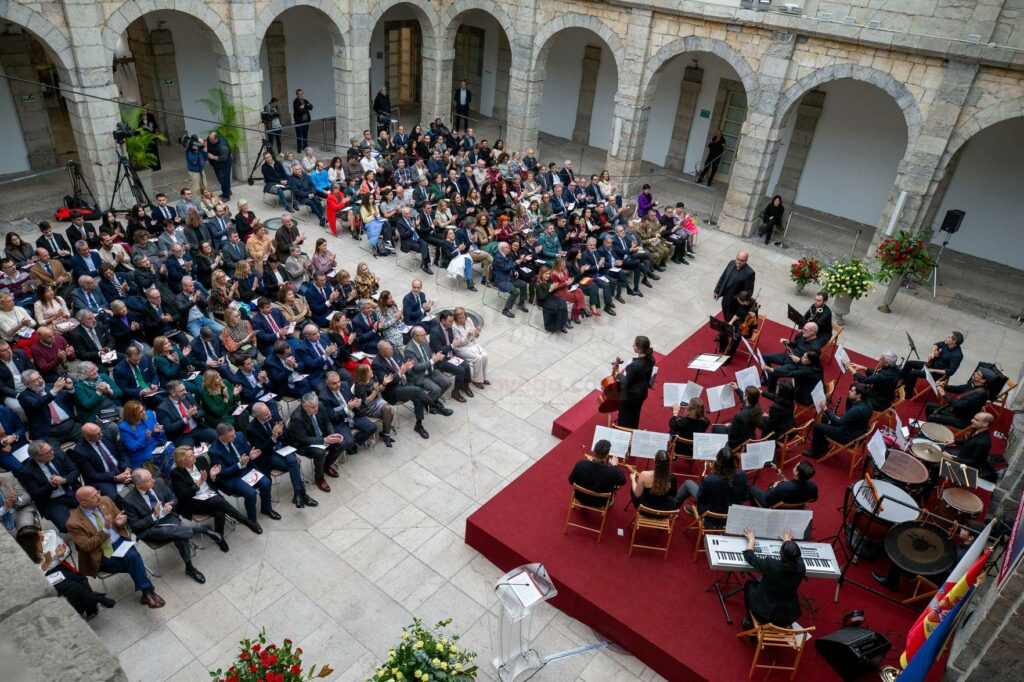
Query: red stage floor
[[660, 610]]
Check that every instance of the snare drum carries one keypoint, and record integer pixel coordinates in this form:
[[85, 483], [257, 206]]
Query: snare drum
[[869, 530], [961, 504], [905, 471], [937, 433]]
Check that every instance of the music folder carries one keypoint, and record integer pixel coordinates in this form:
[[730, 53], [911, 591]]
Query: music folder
[[720, 326], [794, 316]]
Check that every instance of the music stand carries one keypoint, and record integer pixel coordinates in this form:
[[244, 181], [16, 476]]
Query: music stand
[[795, 317], [720, 326], [913, 348]]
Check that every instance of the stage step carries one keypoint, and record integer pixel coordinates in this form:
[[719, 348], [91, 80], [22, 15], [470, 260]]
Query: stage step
[[575, 416]]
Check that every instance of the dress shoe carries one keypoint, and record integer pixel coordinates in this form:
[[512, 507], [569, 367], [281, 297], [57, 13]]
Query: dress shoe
[[331, 471], [479, 384], [443, 411], [152, 600], [352, 449], [747, 624], [470, 287], [884, 580], [421, 431], [214, 535], [630, 292], [426, 268], [323, 485], [105, 601], [457, 397], [468, 392], [298, 501], [523, 308], [223, 545], [388, 440], [564, 330], [660, 268], [609, 311], [508, 313], [309, 501], [619, 299], [683, 261], [193, 573], [272, 514], [652, 276], [486, 382], [254, 526], [639, 293], [647, 283]]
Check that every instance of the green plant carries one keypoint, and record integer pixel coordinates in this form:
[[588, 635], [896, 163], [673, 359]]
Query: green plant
[[262, 662], [902, 255], [805, 270], [426, 654], [137, 148], [227, 112], [850, 277]]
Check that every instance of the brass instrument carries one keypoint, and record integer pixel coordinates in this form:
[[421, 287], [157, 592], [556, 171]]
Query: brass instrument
[[590, 456]]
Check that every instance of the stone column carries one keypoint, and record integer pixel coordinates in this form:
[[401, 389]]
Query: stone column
[[15, 56], [807, 114], [524, 107], [632, 109], [588, 88], [241, 78], [353, 92], [499, 111], [759, 139], [165, 83], [442, 69], [689, 89], [145, 70], [278, 68]]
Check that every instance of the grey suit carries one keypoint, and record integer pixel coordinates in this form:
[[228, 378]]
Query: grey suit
[[423, 373], [139, 509]]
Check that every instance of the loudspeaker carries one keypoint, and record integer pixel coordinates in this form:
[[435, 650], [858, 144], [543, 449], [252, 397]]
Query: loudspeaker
[[853, 651], [951, 223]]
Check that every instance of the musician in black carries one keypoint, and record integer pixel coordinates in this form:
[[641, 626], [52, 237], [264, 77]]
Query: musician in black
[[798, 490], [774, 598], [805, 375], [882, 381], [820, 314], [745, 305], [942, 362], [807, 339], [600, 475], [973, 450], [959, 403], [738, 276], [780, 414], [635, 382], [745, 423], [852, 424]]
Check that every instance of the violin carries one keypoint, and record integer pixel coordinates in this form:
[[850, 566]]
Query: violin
[[611, 392], [749, 322]]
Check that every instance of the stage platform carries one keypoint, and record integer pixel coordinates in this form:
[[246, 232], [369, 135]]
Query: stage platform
[[662, 610]]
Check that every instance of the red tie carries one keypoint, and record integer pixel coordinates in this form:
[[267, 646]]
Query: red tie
[[54, 415], [273, 325], [184, 415]]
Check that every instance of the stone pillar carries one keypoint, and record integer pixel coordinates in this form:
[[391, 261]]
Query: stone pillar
[[807, 114], [352, 94], [524, 107], [278, 68], [499, 111], [632, 108], [920, 173], [588, 88], [241, 78], [442, 70], [145, 70], [166, 84], [689, 89], [759, 139], [15, 56]]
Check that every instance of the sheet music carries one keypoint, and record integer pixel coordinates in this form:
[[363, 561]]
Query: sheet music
[[767, 523], [748, 376], [721, 398], [619, 439], [877, 448], [901, 432], [692, 390], [525, 589], [708, 361], [818, 396], [646, 444], [757, 455], [707, 445], [750, 350], [842, 358], [931, 382], [760, 358], [672, 395]]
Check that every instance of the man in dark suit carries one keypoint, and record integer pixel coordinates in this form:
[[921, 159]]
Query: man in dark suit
[[137, 377], [315, 354], [408, 232], [179, 265], [461, 99], [339, 403], [466, 181], [390, 373], [442, 340], [321, 297], [266, 433], [617, 280], [959, 403], [90, 338], [269, 325], [79, 230], [806, 341], [54, 243], [592, 264], [275, 181], [237, 461], [424, 372], [84, 261], [883, 381], [600, 475], [974, 449], [367, 326], [738, 276], [820, 314], [207, 351], [12, 363], [797, 490], [282, 370], [566, 173], [100, 462], [852, 424], [310, 431], [150, 507], [251, 378], [51, 479], [87, 296], [303, 192], [157, 320], [182, 417], [163, 212], [219, 226], [12, 438], [233, 252], [50, 410], [416, 305], [506, 278]]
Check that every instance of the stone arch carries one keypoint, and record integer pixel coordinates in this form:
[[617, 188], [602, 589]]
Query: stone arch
[[221, 37], [719, 48], [430, 22], [904, 99], [453, 14], [979, 121], [338, 24], [46, 32], [569, 20]]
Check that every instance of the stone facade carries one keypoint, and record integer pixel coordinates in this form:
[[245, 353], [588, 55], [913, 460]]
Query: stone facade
[[954, 68]]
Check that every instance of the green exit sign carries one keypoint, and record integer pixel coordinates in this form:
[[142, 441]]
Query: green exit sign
[[705, 113]]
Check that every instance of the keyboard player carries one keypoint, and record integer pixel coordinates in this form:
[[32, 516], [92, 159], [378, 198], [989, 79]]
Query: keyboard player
[[773, 599]]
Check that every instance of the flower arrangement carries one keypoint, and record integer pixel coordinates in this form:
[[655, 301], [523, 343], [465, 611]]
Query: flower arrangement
[[805, 270], [426, 654], [262, 662], [902, 255], [850, 277]]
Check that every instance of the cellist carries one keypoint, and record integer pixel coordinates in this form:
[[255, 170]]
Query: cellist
[[743, 323]]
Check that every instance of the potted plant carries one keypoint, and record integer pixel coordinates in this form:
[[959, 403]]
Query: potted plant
[[426, 654], [139, 148], [805, 271], [268, 663], [898, 257], [846, 281], [227, 112]]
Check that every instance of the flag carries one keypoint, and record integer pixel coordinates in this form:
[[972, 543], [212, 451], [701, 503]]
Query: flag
[[921, 664], [948, 594]]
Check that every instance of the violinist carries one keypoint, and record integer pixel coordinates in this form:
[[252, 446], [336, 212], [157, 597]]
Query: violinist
[[743, 323], [820, 314], [635, 382], [942, 362]]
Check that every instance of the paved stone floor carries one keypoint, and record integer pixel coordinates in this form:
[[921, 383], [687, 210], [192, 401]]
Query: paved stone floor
[[387, 543]]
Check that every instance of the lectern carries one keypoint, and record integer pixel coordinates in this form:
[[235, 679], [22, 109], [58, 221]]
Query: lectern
[[519, 591]]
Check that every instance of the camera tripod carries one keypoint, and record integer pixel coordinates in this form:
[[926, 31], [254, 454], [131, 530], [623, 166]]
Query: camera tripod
[[127, 175], [266, 145], [80, 188]]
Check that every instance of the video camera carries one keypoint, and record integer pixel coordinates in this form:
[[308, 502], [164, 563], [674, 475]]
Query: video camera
[[122, 131], [190, 142], [266, 118]]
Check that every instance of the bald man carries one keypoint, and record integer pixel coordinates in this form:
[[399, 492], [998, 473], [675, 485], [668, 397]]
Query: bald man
[[100, 461], [738, 276], [973, 450]]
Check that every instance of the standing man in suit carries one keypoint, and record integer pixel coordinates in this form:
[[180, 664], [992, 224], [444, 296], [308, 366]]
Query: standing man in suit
[[852, 424], [310, 431], [738, 276], [12, 363], [182, 417], [266, 433], [51, 480], [97, 528], [237, 461], [340, 404], [150, 507], [442, 340], [300, 115], [396, 387], [461, 99], [51, 414], [100, 462]]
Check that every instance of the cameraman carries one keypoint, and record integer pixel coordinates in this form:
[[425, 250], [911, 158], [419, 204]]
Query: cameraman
[[300, 112], [219, 153], [272, 120], [195, 162]]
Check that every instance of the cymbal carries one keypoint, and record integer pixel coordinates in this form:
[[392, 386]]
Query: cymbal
[[920, 548], [926, 451]]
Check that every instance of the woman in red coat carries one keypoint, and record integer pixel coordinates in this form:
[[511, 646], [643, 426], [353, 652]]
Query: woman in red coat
[[336, 201]]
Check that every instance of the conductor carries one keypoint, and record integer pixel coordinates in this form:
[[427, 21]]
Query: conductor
[[737, 277]]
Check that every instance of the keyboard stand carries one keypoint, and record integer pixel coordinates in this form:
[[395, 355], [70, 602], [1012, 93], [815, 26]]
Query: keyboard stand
[[727, 579]]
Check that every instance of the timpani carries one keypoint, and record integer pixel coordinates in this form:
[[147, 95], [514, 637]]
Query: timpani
[[905, 471], [867, 528], [961, 504]]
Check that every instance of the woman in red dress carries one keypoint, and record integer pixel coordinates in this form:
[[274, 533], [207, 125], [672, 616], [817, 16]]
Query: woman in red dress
[[560, 275], [336, 201], [339, 332]]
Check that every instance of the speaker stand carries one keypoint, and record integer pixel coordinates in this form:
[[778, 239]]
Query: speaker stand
[[935, 269]]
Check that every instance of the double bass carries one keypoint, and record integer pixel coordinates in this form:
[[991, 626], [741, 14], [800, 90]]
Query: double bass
[[611, 391]]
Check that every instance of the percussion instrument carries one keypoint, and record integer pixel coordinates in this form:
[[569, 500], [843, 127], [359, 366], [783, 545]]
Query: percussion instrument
[[963, 504], [936, 432], [920, 548], [868, 529], [904, 470], [926, 451]]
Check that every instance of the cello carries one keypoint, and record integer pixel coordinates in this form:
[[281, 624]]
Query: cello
[[611, 391]]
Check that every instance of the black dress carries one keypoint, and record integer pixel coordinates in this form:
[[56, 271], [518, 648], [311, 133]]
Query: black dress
[[635, 383]]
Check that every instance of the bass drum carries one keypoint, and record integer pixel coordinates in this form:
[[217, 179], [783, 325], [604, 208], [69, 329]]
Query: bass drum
[[869, 521]]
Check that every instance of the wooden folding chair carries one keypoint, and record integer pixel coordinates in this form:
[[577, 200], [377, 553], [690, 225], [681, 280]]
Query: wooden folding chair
[[701, 522], [575, 503], [743, 446], [681, 450], [657, 520], [924, 589], [753, 337], [1001, 398], [795, 437], [772, 636], [855, 447], [901, 397]]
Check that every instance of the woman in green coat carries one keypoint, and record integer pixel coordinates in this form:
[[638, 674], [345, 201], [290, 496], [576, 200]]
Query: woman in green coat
[[171, 363], [95, 391], [220, 398]]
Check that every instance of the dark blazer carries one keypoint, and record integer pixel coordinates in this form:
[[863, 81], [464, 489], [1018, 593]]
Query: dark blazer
[[112, 293], [715, 494], [300, 428], [13, 426], [503, 268], [732, 282], [883, 386], [38, 412], [85, 349], [249, 392], [367, 337], [310, 362], [90, 464], [853, 423], [37, 483], [412, 308], [122, 333], [230, 467], [62, 244], [22, 362], [80, 300], [157, 214], [742, 428], [80, 267], [381, 369], [153, 324], [974, 450], [232, 253], [596, 477], [319, 308], [273, 175], [792, 491], [140, 511], [774, 599], [262, 439], [964, 401], [184, 488], [805, 378], [198, 356], [331, 405], [175, 271], [277, 375], [125, 378], [265, 334], [822, 319], [168, 414]]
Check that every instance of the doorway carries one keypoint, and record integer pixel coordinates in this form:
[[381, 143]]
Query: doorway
[[403, 42], [469, 62], [734, 112]]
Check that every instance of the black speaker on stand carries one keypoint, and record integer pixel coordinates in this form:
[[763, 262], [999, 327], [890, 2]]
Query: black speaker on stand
[[950, 225], [853, 651]]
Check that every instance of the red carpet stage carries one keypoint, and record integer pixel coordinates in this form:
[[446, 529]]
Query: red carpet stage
[[660, 610]]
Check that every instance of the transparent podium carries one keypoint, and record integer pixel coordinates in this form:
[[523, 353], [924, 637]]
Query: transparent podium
[[519, 591]]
